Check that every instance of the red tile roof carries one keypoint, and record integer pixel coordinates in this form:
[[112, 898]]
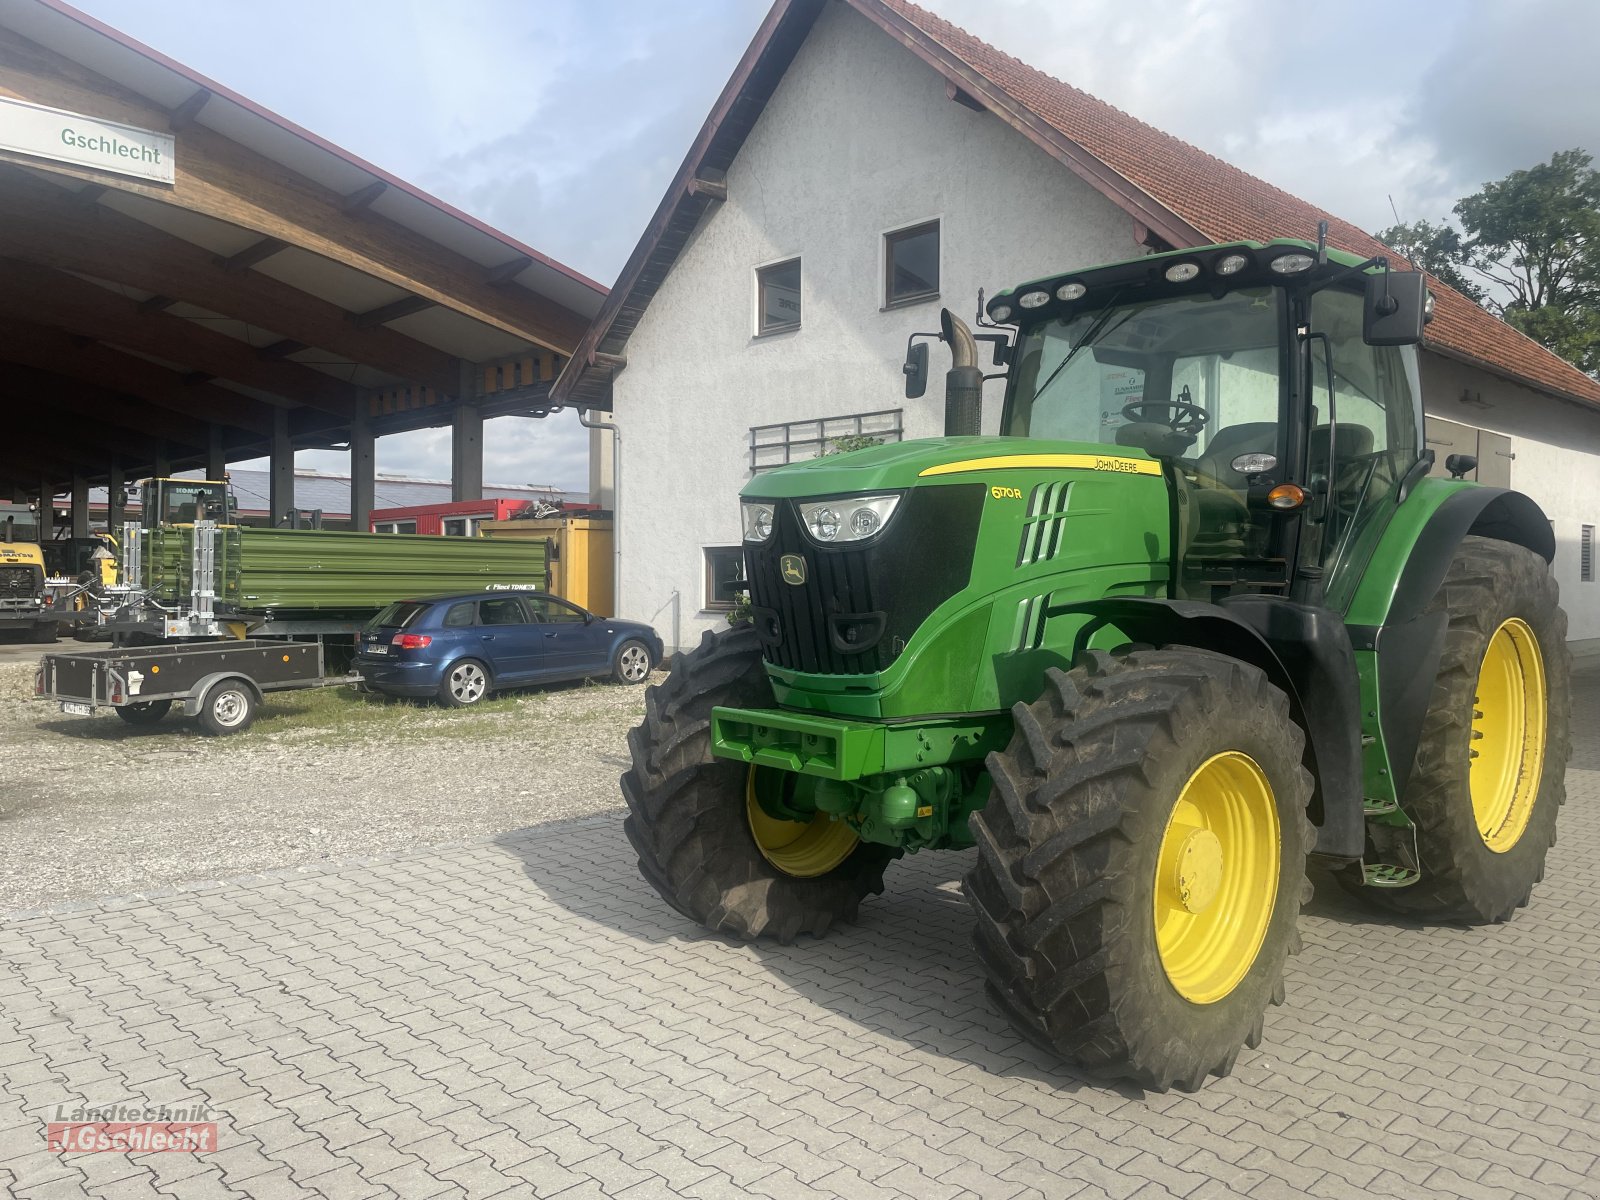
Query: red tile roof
[[1198, 190]]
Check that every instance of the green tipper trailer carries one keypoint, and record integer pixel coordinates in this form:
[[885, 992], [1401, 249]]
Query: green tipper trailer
[[189, 571], [323, 572]]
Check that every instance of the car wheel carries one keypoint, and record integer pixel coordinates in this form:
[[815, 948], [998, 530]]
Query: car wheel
[[465, 683], [632, 663]]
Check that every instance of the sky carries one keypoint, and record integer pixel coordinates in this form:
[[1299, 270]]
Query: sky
[[561, 122]]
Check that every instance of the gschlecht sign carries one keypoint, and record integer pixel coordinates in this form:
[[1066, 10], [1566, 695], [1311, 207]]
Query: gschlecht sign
[[85, 141]]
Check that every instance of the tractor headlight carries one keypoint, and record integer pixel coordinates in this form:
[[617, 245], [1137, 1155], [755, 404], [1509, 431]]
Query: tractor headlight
[[849, 519], [757, 520]]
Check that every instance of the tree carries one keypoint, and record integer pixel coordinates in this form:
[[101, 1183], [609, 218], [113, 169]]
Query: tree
[[1536, 235], [1440, 250], [1534, 239]]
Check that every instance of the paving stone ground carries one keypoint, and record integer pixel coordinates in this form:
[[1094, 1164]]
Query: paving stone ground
[[523, 1017]]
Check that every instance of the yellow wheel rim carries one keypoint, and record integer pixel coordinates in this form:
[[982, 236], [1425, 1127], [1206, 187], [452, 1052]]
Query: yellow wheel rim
[[804, 849], [1217, 877], [1508, 735]]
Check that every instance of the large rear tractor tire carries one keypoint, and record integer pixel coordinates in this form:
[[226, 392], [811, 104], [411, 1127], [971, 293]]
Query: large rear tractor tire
[[703, 840], [1141, 864], [1490, 772]]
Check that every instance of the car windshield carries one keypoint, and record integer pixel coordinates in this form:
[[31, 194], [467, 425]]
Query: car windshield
[[398, 615], [1166, 376]]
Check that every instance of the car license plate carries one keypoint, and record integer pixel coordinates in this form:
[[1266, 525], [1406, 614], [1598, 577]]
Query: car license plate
[[377, 648], [76, 709]]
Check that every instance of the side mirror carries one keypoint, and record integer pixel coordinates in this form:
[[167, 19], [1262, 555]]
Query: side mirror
[[916, 371], [1395, 307], [1459, 464]]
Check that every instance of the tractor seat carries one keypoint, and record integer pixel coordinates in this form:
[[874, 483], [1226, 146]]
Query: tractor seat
[[1350, 442], [1155, 439], [1219, 489], [1249, 437]]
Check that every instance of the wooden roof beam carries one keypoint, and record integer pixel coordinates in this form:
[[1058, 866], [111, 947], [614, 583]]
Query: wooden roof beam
[[84, 308], [251, 255], [183, 116], [222, 179], [49, 349], [392, 311], [507, 271], [360, 201], [28, 387], [710, 183], [112, 246]]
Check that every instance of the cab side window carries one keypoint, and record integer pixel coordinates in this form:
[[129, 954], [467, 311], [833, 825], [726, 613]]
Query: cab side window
[[1364, 434]]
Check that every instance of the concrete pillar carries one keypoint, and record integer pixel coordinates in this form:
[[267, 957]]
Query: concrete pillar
[[80, 505], [363, 468], [46, 510], [116, 500], [216, 457], [466, 439], [280, 472]]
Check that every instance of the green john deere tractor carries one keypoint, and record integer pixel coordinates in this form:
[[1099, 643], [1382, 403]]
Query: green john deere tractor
[[1199, 611]]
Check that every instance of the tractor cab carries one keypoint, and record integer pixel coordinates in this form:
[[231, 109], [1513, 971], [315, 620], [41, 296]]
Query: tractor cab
[[166, 502], [1246, 370]]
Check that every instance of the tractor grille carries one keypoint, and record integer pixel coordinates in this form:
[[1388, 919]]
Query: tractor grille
[[18, 582], [859, 605]]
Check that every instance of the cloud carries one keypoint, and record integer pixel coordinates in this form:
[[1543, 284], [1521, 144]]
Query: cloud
[[1510, 85]]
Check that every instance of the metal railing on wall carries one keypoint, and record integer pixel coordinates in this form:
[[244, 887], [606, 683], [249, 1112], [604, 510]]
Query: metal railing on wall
[[796, 441]]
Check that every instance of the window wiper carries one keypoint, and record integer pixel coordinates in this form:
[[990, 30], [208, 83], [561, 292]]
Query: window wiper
[[1094, 333]]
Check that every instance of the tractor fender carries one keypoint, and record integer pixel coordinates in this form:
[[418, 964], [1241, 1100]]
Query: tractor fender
[[1305, 650], [1409, 642], [191, 702], [1485, 511]]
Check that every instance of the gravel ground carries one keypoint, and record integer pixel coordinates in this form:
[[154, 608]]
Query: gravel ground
[[93, 807]]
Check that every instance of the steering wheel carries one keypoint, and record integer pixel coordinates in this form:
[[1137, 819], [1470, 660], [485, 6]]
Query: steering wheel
[[1183, 417]]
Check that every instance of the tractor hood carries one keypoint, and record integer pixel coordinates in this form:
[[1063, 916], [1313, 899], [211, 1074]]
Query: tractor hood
[[938, 460]]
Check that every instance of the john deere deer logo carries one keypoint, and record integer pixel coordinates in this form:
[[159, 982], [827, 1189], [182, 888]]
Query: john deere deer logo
[[794, 569]]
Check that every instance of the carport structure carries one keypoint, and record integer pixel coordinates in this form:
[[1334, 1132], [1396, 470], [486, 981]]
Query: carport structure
[[273, 293]]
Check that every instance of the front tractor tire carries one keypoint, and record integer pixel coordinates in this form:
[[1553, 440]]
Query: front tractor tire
[[703, 840], [1490, 774], [1141, 864]]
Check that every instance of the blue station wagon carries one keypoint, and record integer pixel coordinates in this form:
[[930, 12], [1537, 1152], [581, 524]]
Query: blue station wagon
[[460, 649]]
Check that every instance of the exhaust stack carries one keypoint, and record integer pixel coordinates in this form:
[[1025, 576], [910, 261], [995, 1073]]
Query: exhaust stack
[[963, 382]]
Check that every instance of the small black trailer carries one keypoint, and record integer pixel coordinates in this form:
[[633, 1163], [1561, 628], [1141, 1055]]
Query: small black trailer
[[220, 683]]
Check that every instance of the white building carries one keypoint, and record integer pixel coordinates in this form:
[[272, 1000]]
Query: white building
[[868, 163]]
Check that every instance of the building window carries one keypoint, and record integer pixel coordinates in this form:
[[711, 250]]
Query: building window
[[778, 297], [1586, 555], [394, 527], [724, 576], [460, 526], [796, 441], [911, 264]]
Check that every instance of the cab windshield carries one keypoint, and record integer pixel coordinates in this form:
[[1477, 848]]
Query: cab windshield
[[183, 502], [1184, 377]]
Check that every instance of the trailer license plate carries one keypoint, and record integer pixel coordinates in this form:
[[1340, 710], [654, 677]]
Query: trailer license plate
[[76, 709]]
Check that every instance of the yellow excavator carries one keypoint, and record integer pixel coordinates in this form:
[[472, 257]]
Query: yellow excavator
[[25, 603]]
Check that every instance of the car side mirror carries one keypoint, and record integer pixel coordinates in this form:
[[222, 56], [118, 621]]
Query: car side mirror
[[588, 618], [1395, 308], [916, 370]]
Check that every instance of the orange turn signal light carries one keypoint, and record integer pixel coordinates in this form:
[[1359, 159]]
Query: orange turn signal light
[[1286, 496]]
